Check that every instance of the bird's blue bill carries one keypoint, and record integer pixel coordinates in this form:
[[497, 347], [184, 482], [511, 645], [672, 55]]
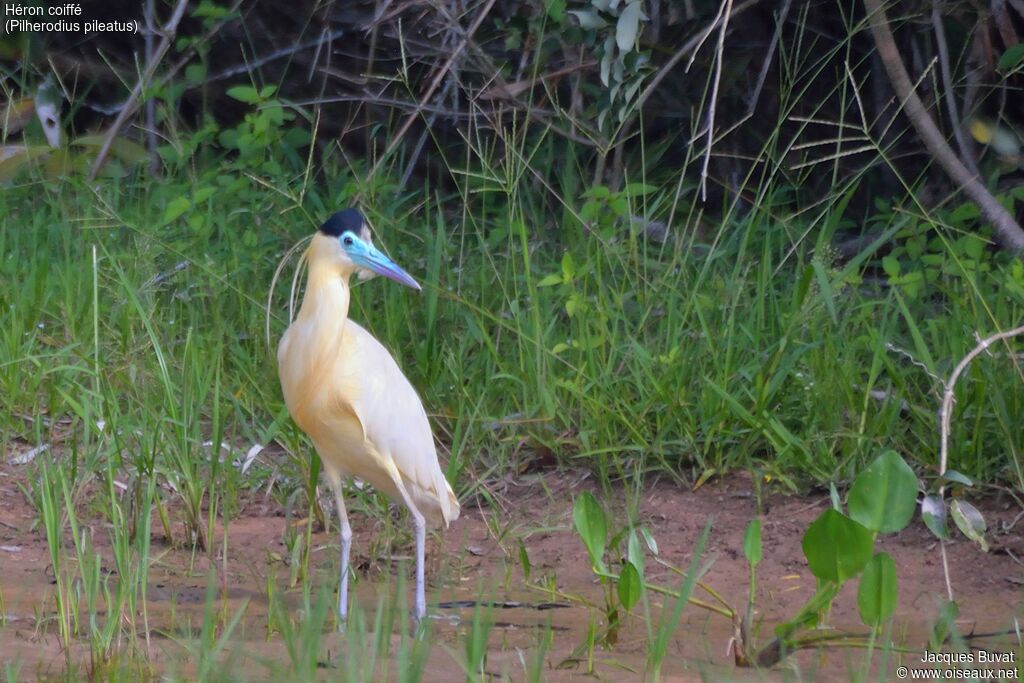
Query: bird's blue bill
[[370, 257]]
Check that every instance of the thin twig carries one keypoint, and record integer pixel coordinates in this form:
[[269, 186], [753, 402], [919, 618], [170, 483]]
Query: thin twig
[[1008, 231], [756, 95], [947, 86], [690, 46], [132, 104], [438, 77], [946, 415], [276, 54], [719, 55], [154, 158]]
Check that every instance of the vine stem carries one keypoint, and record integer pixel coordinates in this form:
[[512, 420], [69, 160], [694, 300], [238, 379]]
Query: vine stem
[[946, 416]]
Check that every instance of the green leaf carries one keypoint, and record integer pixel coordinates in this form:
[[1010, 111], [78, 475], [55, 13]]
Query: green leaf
[[592, 527], [524, 561], [883, 496], [606, 64], [203, 193], [175, 208], [589, 19], [652, 545], [836, 547], [629, 586], [556, 10], [568, 267], [877, 593], [933, 512], [752, 542], [1011, 58], [945, 623], [954, 477], [891, 266], [634, 551], [550, 280], [267, 91], [627, 29], [638, 189], [244, 93], [970, 521]]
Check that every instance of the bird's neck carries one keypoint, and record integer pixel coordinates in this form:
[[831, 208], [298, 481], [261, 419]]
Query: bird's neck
[[327, 296]]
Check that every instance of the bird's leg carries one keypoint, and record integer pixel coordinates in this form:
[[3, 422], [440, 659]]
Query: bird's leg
[[346, 546], [420, 525]]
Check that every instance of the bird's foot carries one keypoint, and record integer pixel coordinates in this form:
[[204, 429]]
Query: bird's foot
[[419, 624]]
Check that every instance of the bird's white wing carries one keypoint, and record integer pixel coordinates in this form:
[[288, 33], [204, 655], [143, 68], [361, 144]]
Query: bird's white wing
[[395, 423]]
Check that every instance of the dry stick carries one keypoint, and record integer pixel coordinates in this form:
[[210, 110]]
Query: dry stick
[[1008, 232], [154, 157], [719, 56], [769, 57], [247, 67], [688, 47], [946, 416], [947, 86], [132, 104], [395, 141]]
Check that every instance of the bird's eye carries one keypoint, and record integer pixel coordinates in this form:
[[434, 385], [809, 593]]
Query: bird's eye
[[347, 240]]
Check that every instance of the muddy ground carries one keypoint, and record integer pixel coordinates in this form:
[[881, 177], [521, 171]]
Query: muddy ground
[[479, 555]]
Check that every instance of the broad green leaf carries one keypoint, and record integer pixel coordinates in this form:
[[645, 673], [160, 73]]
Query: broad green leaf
[[883, 496], [175, 208], [592, 527], [629, 586], [1011, 58], [203, 193], [267, 91], [933, 512], [752, 542], [550, 280], [891, 266], [244, 93], [877, 593], [556, 10], [638, 189], [627, 29], [954, 477], [836, 547], [970, 521]]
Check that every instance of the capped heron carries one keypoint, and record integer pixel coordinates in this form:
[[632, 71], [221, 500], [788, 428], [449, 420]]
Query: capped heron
[[346, 392]]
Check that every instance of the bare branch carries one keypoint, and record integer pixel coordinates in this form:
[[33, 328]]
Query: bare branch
[[1007, 231], [132, 104], [946, 417]]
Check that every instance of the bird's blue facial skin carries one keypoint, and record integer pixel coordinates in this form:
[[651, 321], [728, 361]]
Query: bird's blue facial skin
[[367, 256]]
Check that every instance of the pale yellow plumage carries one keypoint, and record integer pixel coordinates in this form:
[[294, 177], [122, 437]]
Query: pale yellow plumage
[[348, 394]]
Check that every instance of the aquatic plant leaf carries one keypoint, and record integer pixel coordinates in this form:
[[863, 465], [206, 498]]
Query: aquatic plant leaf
[[877, 594], [837, 547], [883, 496]]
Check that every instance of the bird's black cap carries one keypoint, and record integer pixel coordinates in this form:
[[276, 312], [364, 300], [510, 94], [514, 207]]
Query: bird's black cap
[[349, 219]]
